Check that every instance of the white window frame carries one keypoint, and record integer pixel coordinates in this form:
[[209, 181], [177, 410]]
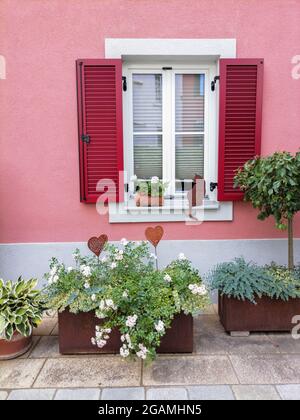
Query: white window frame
[[168, 95], [194, 50]]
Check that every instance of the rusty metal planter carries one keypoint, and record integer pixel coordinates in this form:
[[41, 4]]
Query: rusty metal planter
[[268, 315], [76, 330]]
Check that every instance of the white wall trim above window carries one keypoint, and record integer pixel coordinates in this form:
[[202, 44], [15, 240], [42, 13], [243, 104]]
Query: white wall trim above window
[[126, 47]]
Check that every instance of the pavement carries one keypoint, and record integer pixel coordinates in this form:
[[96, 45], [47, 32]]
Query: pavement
[[257, 367]]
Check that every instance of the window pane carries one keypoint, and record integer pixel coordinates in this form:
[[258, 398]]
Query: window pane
[[147, 102], [147, 156], [189, 159], [189, 102]]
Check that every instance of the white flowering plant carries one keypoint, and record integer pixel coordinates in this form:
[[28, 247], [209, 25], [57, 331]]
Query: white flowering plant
[[128, 294], [154, 187]]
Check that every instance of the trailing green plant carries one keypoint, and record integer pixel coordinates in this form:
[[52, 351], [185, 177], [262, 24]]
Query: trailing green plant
[[285, 283], [127, 293], [21, 307], [247, 281], [154, 187], [272, 185]]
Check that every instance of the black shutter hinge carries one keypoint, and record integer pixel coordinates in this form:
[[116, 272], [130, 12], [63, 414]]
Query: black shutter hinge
[[213, 83], [124, 80], [85, 138], [213, 186]]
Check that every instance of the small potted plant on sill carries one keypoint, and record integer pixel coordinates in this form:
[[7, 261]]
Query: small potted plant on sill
[[150, 193], [121, 304], [21, 309], [253, 298]]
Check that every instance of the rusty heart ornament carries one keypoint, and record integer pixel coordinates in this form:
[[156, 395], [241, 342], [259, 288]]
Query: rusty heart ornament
[[154, 235], [96, 245]]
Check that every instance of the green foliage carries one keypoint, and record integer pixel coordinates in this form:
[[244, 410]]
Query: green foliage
[[245, 280], [21, 307], [127, 293], [272, 184], [155, 187]]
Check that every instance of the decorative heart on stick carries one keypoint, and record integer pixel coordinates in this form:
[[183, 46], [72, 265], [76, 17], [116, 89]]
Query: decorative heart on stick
[[96, 245], [154, 235]]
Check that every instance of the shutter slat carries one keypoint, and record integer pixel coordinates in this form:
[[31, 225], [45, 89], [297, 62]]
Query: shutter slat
[[241, 83], [99, 88]]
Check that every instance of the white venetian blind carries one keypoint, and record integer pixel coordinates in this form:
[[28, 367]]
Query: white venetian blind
[[147, 125], [189, 128]]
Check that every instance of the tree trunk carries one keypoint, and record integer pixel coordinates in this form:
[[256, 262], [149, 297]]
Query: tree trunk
[[290, 244]]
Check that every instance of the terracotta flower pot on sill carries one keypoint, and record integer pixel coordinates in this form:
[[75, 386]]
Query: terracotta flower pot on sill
[[18, 345], [144, 200]]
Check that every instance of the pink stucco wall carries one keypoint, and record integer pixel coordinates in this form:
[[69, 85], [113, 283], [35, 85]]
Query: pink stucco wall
[[41, 39]]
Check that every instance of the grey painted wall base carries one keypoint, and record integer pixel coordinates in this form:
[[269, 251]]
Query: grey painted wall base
[[31, 259]]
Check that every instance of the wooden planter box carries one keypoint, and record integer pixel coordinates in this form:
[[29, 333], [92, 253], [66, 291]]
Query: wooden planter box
[[76, 330], [268, 315]]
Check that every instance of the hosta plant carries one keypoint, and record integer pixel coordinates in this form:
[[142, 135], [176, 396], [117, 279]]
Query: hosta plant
[[128, 293], [21, 307], [154, 187]]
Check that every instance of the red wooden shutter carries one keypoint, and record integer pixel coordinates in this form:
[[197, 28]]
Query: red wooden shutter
[[99, 89], [241, 85]]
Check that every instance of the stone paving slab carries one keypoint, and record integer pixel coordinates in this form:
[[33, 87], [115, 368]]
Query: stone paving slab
[[19, 373], [55, 330], [190, 370], [210, 338], [46, 326], [91, 372], [255, 392], [31, 394], [267, 369], [3, 395], [210, 392], [46, 348], [289, 392], [172, 394], [133, 393], [78, 394], [35, 340], [285, 343]]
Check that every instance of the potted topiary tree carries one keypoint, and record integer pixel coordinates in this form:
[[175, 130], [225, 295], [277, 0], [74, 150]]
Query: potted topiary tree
[[272, 185], [21, 309]]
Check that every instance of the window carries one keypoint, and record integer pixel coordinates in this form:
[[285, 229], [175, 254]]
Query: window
[[169, 125]]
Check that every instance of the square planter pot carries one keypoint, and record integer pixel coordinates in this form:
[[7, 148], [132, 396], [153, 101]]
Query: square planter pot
[[267, 315], [76, 330]]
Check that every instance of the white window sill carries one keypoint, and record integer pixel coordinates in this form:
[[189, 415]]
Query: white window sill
[[172, 211]]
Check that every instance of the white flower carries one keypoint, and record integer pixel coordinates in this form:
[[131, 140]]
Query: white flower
[[154, 180], [119, 257], [109, 303], [93, 341], [160, 326], [143, 352], [55, 278], [107, 330], [86, 285], [121, 252], [93, 297], [69, 269], [101, 343], [97, 328], [104, 259], [191, 286], [131, 321], [153, 256], [202, 290], [133, 178], [197, 289], [50, 281], [113, 265], [124, 241], [125, 294], [167, 278], [181, 256], [85, 270], [122, 338], [141, 355], [53, 270], [124, 352], [101, 305]]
